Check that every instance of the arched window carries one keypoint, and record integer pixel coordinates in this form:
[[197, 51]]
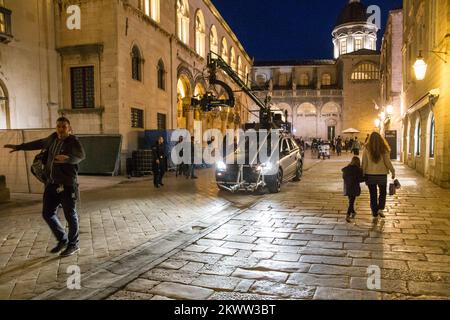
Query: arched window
[[200, 34], [4, 111], [183, 97], [417, 138], [136, 64], [432, 136], [233, 63], [213, 40], [330, 109], [183, 21], [366, 71], [240, 68], [261, 79], [326, 79], [224, 52], [161, 75], [307, 109], [304, 80]]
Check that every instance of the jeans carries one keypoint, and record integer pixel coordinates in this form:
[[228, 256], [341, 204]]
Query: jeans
[[158, 174], [351, 204], [53, 198], [191, 171], [377, 203]]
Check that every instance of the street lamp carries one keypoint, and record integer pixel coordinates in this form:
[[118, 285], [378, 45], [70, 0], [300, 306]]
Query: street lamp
[[420, 67]]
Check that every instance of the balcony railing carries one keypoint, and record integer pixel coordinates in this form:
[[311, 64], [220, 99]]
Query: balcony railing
[[5, 25]]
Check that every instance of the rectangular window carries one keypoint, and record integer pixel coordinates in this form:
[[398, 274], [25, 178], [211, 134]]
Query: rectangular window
[[161, 121], [358, 44], [82, 87], [137, 118], [155, 10], [343, 46]]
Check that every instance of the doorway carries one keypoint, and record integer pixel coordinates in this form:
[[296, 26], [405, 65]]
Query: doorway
[[331, 133]]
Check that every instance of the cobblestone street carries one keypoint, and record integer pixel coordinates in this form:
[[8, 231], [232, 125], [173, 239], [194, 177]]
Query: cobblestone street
[[116, 216], [190, 241]]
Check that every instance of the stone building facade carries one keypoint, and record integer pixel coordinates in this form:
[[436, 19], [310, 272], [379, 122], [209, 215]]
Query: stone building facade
[[392, 77], [325, 97], [29, 77], [138, 66], [426, 121], [130, 66]]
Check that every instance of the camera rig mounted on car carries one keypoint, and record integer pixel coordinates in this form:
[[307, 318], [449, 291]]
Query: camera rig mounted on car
[[210, 101]]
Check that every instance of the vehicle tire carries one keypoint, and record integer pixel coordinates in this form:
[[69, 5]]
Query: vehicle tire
[[274, 182], [299, 171]]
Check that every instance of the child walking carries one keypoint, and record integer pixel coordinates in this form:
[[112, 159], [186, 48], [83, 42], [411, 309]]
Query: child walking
[[353, 176]]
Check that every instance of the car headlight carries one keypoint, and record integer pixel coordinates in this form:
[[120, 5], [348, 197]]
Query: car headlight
[[221, 166], [264, 167]]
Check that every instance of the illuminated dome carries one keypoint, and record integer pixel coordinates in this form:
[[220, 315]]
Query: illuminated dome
[[353, 32]]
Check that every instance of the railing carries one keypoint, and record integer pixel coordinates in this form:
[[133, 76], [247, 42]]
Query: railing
[[302, 93]]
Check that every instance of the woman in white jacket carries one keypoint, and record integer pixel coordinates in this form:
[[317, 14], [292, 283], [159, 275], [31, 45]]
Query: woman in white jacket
[[376, 165]]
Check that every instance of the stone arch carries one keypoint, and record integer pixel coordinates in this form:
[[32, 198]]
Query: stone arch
[[184, 95], [307, 109], [330, 109]]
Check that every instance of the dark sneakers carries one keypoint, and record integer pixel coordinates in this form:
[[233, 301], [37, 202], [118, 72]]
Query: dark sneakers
[[71, 249], [61, 246]]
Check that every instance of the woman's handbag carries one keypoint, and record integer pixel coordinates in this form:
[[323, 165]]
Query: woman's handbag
[[392, 189]]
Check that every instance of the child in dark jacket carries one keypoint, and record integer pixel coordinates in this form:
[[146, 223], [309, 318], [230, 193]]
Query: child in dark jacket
[[353, 176]]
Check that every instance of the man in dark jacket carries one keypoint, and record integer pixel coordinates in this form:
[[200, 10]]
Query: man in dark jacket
[[65, 152], [159, 162]]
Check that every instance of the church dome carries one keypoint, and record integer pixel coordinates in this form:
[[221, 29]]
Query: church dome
[[354, 11]]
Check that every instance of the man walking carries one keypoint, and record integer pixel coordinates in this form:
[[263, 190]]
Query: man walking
[[64, 153], [159, 162]]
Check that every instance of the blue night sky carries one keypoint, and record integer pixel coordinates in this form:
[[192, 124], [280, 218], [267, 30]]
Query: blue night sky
[[290, 29]]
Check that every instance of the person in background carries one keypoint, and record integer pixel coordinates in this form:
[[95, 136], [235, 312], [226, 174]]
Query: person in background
[[356, 146], [180, 167], [159, 162], [339, 146], [191, 171], [353, 176]]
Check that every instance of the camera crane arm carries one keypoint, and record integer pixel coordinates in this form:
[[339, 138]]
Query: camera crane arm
[[209, 101]]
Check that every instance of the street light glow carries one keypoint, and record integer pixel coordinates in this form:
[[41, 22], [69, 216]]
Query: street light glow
[[390, 110], [420, 67]]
